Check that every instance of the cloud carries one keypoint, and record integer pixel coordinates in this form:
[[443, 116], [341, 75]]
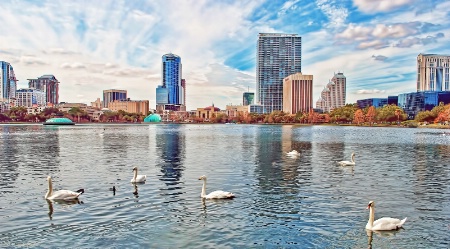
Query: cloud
[[376, 44], [371, 6], [406, 43], [370, 91], [75, 65], [379, 57], [32, 60], [336, 14], [287, 6]]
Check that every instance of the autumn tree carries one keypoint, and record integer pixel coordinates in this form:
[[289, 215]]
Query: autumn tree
[[358, 117], [370, 115]]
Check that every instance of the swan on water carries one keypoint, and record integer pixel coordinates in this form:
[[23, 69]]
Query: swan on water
[[219, 194], [61, 194], [348, 163], [384, 223], [293, 153], [138, 178]]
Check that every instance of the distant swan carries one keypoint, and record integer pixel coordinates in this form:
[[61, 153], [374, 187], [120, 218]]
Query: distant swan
[[293, 153], [219, 194], [348, 163], [138, 178], [385, 223], [61, 194]]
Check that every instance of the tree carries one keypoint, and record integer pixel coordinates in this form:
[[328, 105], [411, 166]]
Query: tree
[[370, 115], [358, 117]]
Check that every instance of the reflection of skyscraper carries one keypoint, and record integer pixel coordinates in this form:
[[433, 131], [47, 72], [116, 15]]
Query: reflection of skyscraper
[[170, 142], [8, 82], [278, 56]]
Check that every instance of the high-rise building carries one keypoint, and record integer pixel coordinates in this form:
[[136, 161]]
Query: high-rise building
[[183, 87], [278, 56], [334, 94], [112, 95], [162, 95], [8, 82], [248, 98], [49, 85], [433, 72], [171, 78], [297, 93], [30, 97]]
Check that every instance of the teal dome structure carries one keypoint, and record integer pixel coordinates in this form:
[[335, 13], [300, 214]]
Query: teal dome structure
[[152, 118], [59, 121]]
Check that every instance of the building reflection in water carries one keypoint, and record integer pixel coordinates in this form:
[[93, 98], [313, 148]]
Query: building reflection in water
[[170, 148]]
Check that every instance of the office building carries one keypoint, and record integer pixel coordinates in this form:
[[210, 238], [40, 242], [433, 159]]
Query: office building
[[29, 97], [392, 100], [433, 72], [8, 82], [278, 56], [112, 95], [183, 88], [49, 85], [334, 94], [375, 102], [415, 102], [248, 98], [297, 93], [131, 106]]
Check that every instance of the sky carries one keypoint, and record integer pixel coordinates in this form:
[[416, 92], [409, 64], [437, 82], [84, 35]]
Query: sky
[[91, 46]]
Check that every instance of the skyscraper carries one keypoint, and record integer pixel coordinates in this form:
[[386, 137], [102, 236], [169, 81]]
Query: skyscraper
[[297, 93], [8, 82], [171, 78], [334, 93], [49, 85], [278, 56], [433, 72]]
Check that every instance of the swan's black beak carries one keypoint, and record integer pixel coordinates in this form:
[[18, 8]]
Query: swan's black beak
[[81, 190]]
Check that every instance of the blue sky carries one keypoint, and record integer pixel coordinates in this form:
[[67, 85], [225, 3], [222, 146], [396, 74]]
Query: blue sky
[[95, 45]]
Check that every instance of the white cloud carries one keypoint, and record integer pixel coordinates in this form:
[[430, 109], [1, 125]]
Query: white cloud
[[337, 15], [370, 6], [370, 91], [377, 44]]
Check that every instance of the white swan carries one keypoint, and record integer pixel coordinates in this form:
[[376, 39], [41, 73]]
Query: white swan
[[219, 194], [61, 194], [384, 223], [348, 163], [138, 178], [293, 153]]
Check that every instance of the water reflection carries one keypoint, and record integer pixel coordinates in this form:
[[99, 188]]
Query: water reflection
[[135, 192], [170, 143], [63, 203]]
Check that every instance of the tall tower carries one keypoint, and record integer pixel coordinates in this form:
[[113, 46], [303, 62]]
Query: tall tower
[[433, 72], [334, 93], [49, 85], [8, 82], [278, 56], [171, 78]]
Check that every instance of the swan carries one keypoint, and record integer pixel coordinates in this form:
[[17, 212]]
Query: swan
[[219, 194], [61, 194], [384, 223], [348, 163], [293, 153], [138, 178]]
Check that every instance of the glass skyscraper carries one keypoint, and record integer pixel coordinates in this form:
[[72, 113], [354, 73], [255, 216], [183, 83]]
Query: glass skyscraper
[[171, 79], [8, 82], [278, 56]]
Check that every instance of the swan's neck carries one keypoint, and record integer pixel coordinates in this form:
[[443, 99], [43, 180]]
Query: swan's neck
[[50, 189], [371, 216], [203, 189], [353, 158], [135, 175]]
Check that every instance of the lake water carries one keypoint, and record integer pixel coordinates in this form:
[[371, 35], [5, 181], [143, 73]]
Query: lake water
[[282, 202]]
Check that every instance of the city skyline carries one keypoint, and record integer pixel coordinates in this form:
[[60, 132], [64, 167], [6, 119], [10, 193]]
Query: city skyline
[[90, 47]]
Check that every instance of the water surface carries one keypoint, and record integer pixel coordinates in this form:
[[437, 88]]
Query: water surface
[[282, 202]]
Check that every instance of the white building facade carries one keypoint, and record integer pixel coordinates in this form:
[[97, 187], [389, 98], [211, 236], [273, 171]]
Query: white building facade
[[334, 94], [29, 97], [433, 72]]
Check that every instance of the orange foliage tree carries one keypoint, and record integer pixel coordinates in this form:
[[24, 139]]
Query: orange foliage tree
[[371, 114], [358, 117]]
